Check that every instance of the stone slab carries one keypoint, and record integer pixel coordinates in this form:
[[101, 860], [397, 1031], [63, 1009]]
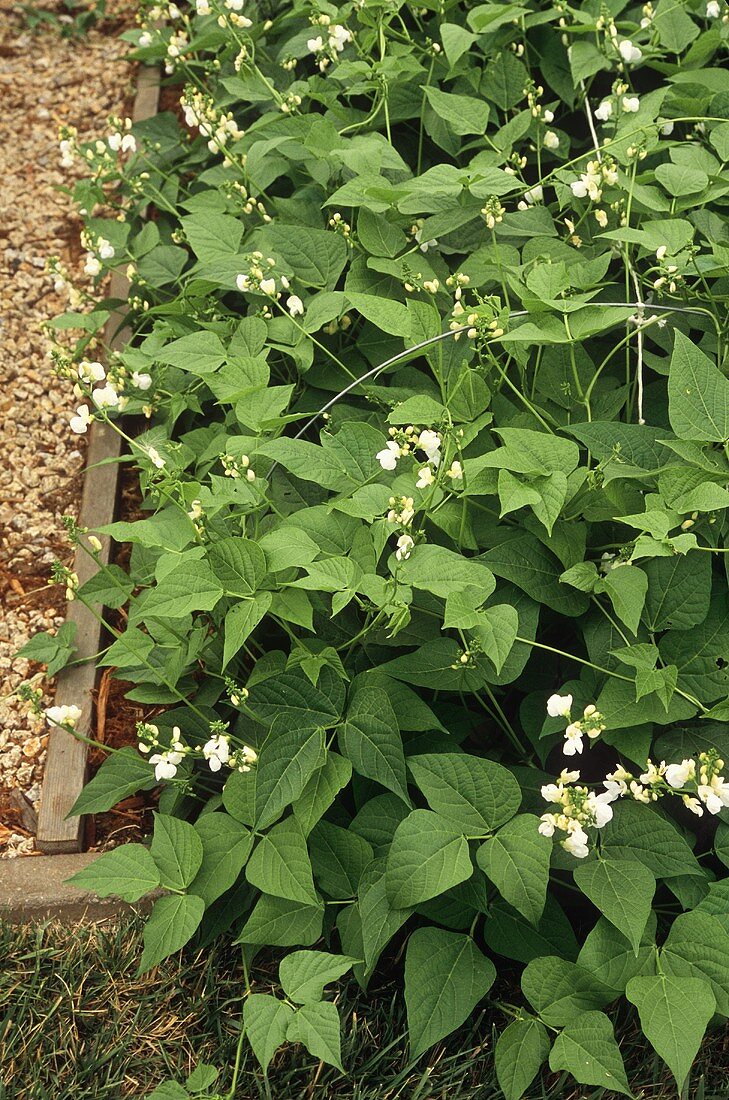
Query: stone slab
[[34, 888]]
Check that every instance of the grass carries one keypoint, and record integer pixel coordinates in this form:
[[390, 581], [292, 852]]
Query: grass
[[77, 1023]]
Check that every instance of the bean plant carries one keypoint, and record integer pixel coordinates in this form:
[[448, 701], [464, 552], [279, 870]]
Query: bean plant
[[427, 393]]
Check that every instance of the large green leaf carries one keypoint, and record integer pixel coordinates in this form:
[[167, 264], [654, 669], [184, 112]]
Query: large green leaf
[[473, 794], [280, 864], [190, 586], [317, 1026], [177, 851], [622, 889], [639, 832], [698, 393], [445, 977], [266, 1020], [316, 256], [697, 946], [172, 922], [278, 922], [123, 773], [427, 856], [559, 990], [587, 1049], [128, 871], [225, 847], [242, 620], [520, 1051], [303, 974], [609, 957], [239, 565], [321, 790], [440, 571], [673, 1013], [339, 858], [517, 860], [371, 740]]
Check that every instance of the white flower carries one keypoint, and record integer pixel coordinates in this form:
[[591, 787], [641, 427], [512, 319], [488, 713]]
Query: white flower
[[155, 458], [456, 471], [339, 37], [425, 478], [234, 5], [294, 305], [552, 792], [548, 116], [604, 111], [243, 282], [601, 218], [268, 286], [91, 372], [629, 53], [141, 381], [217, 752], [80, 423], [389, 455], [429, 441], [105, 397], [165, 764], [145, 39], [105, 248], [578, 189], [614, 788], [693, 805], [678, 775], [559, 706], [63, 716], [315, 45], [114, 142], [92, 266], [404, 547], [535, 194], [630, 104], [667, 129], [576, 843], [713, 9], [424, 245], [94, 543], [572, 739], [714, 794], [551, 140], [202, 7], [129, 144], [601, 808], [547, 824]]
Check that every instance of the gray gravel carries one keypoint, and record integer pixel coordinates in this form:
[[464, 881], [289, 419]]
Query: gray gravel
[[45, 81]]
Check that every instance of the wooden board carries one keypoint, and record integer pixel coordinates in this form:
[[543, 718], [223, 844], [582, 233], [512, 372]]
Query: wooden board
[[65, 767]]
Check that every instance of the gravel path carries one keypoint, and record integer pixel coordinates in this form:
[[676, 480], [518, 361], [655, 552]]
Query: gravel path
[[45, 81]]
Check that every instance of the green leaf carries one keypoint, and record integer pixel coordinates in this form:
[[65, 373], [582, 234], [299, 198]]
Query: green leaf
[[379, 236], [52, 650], [445, 977], [641, 833], [202, 1077], [287, 760], [316, 256], [472, 794], [303, 974], [440, 571], [680, 180], [587, 1049], [239, 565], [496, 632], [292, 695], [266, 1020], [173, 921], [517, 860], [339, 858], [123, 773], [177, 850], [673, 1014], [627, 588], [321, 790], [463, 114], [528, 564], [427, 857], [622, 890], [371, 740], [278, 922], [456, 41], [697, 946], [700, 653], [226, 845], [698, 393], [129, 872], [560, 990], [280, 864], [608, 956], [199, 353], [317, 1026], [190, 586], [520, 1051], [679, 591], [242, 620], [111, 587], [380, 921]]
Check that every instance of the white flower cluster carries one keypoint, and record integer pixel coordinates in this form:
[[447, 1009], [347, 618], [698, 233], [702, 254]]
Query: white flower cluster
[[580, 809], [121, 139], [699, 783], [329, 43], [591, 182], [98, 249], [219, 127], [237, 467], [108, 396], [216, 751], [263, 281], [67, 715], [401, 511], [591, 724], [406, 441]]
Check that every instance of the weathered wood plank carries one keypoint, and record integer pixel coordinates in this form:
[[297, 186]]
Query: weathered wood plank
[[65, 768]]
